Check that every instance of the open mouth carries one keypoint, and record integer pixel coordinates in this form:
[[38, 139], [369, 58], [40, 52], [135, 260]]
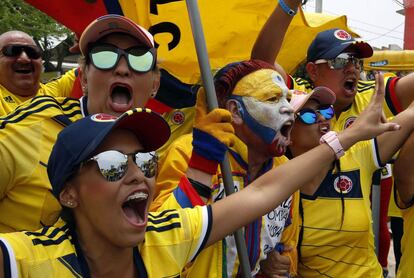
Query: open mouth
[[121, 96], [24, 71], [282, 139], [350, 84], [286, 129], [324, 129], [135, 208], [23, 68]]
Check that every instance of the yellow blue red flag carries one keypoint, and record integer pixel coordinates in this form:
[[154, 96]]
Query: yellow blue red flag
[[230, 28]]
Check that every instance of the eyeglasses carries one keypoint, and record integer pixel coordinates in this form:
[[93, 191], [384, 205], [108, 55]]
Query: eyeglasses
[[113, 165], [309, 116], [107, 56], [342, 61], [15, 50]]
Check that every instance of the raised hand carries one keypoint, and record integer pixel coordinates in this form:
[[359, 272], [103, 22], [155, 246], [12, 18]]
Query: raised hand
[[371, 122], [212, 134]]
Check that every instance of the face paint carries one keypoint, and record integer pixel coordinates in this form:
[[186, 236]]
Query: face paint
[[265, 110], [264, 118]]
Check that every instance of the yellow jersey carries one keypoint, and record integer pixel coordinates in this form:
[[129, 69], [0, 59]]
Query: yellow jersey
[[331, 247], [27, 136], [278, 227], [172, 239], [26, 139], [60, 87]]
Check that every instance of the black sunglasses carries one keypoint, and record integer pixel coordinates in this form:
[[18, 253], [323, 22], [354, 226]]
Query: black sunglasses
[[107, 56], [113, 165], [15, 50]]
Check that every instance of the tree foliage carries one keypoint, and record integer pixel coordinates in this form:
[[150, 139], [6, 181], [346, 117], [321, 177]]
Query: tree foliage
[[18, 15]]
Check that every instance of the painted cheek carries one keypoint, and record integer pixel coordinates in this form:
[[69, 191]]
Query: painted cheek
[[275, 117]]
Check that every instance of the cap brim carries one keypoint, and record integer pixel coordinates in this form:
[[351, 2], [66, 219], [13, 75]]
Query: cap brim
[[323, 95], [150, 128], [361, 50], [108, 24]]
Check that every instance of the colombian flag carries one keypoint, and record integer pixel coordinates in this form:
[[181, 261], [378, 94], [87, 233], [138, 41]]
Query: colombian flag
[[230, 29]]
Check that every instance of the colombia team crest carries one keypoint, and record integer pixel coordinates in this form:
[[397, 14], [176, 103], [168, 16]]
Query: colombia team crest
[[177, 117], [342, 35], [343, 184], [103, 118]]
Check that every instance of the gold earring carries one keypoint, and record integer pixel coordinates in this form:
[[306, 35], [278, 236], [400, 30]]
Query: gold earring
[[153, 94]]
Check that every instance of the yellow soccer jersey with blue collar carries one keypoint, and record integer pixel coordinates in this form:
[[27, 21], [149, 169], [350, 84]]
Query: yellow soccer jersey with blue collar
[[220, 259], [330, 248], [60, 87], [26, 138], [172, 239]]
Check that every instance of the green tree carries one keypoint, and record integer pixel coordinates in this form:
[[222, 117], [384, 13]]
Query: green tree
[[18, 15]]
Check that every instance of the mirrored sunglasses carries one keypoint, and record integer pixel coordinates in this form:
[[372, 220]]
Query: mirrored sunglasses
[[309, 116], [113, 165], [15, 50], [341, 62], [107, 56]]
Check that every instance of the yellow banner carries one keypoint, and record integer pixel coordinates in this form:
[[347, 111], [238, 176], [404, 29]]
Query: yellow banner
[[390, 60], [230, 29]]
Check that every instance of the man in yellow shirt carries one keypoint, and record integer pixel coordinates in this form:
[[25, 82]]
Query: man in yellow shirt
[[20, 69]]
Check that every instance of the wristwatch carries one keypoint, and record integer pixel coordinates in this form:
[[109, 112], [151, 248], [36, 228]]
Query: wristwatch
[[331, 138]]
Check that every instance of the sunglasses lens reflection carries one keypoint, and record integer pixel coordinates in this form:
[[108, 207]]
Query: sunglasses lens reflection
[[308, 117], [148, 163], [114, 164], [141, 63], [327, 112], [106, 57]]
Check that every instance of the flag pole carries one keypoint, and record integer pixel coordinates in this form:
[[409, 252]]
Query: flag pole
[[205, 69]]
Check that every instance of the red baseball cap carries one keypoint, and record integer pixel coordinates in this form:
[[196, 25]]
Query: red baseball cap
[[113, 23]]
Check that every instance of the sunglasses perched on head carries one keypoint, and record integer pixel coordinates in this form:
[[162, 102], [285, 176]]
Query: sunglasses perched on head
[[107, 56], [113, 165], [342, 61], [309, 116], [15, 50]]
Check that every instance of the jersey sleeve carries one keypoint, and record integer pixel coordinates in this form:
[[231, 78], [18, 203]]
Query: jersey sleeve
[[175, 237], [199, 219], [9, 259], [60, 87], [391, 99], [367, 153]]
